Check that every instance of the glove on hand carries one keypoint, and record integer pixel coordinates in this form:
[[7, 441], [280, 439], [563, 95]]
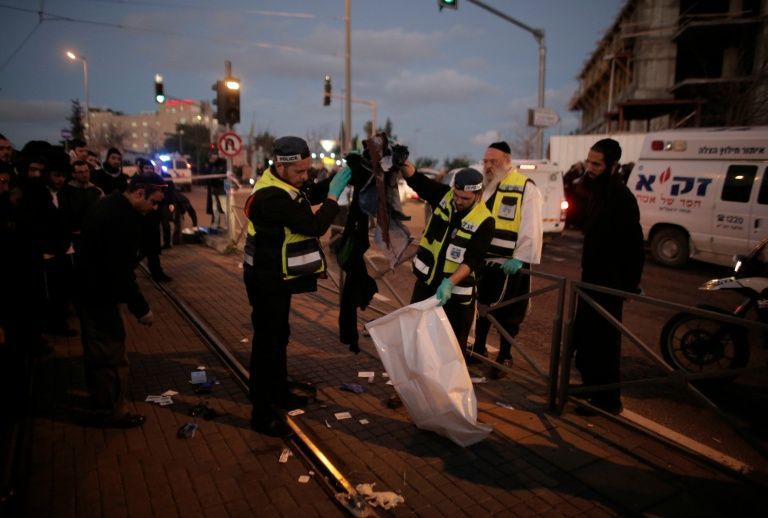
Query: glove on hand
[[511, 266], [444, 291], [339, 182], [147, 319]]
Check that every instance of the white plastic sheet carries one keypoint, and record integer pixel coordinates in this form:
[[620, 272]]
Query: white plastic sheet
[[421, 354]]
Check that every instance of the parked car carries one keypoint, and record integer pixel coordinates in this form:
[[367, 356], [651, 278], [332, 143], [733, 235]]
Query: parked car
[[177, 167]]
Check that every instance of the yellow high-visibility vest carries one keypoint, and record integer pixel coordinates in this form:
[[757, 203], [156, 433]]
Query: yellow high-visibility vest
[[301, 255], [507, 211], [432, 242]]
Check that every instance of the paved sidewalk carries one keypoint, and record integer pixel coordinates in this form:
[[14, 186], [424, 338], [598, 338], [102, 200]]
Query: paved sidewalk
[[224, 470], [535, 463]]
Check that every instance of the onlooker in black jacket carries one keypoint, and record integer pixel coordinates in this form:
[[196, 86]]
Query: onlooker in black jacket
[[82, 196], [53, 226], [150, 226], [613, 257], [110, 252], [217, 194], [110, 177]]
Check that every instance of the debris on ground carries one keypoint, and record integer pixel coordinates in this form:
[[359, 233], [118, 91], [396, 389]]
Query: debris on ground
[[352, 387], [384, 499]]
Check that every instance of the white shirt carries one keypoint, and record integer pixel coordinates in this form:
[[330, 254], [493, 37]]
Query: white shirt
[[530, 237]]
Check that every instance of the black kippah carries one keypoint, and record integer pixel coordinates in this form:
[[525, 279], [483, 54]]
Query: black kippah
[[501, 146]]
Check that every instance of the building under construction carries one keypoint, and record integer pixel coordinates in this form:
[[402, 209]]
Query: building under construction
[[677, 63]]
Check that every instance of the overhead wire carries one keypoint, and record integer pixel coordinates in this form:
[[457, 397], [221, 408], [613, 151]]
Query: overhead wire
[[48, 16]]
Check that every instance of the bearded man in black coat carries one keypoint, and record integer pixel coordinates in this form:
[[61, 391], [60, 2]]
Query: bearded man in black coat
[[612, 256]]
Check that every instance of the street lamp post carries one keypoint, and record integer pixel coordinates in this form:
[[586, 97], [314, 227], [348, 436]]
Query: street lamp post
[[74, 57]]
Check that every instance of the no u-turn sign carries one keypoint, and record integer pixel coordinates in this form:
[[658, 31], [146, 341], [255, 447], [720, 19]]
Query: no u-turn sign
[[230, 144]]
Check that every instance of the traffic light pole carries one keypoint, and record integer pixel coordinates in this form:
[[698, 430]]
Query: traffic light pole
[[347, 143], [538, 34]]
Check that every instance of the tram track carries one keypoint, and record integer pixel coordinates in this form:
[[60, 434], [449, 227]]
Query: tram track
[[330, 478]]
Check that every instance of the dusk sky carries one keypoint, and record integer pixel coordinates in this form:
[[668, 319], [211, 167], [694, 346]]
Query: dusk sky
[[451, 82]]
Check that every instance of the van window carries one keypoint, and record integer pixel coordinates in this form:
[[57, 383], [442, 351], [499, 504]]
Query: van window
[[762, 196], [738, 183]]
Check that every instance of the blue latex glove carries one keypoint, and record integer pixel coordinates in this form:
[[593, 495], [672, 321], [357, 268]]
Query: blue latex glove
[[339, 182], [512, 266], [444, 291]]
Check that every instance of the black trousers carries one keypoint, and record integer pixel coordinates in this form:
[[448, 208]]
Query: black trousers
[[58, 274], [270, 311], [106, 361], [495, 287], [598, 346], [459, 315]]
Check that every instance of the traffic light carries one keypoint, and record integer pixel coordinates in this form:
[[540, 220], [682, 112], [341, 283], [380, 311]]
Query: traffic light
[[448, 4], [327, 94], [232, 94], [159, 89], [228, 101]]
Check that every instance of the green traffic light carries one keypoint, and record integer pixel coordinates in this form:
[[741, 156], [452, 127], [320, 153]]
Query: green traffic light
[[160, 98], [450, 4]]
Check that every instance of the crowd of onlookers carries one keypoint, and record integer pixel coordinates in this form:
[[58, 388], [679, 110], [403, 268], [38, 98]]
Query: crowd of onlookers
[[47, 193]]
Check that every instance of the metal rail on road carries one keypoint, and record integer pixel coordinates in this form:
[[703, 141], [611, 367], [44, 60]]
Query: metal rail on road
[[332, 481]]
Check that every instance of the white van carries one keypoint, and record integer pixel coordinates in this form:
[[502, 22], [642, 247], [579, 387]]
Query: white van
[[549, 179], [703, 193], [177, 167]]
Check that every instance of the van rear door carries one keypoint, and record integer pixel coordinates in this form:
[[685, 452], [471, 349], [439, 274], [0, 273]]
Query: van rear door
[[759, 212], [732, 217]]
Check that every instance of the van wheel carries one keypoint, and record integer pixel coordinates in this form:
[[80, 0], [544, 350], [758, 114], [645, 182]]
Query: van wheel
[[669, 246]]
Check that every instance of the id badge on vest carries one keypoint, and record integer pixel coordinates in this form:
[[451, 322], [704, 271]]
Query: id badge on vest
[[455, 253], [508, 209]]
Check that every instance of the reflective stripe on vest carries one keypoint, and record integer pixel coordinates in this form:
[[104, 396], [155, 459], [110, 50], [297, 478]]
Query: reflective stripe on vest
[[507, 211], [300, 254], [432, 242]]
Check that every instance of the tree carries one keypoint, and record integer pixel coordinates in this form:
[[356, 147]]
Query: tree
[[75, 119], [457, 162], [426, 162], [195, 142], [263, 143], [523, 145], [388, 129]]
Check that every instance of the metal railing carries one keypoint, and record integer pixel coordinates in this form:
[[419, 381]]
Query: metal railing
[[579, 292]]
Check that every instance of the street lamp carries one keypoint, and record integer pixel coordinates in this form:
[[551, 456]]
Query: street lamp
[[74, 57]]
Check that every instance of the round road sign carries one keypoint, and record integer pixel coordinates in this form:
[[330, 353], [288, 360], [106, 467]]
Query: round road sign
[[230, 144]]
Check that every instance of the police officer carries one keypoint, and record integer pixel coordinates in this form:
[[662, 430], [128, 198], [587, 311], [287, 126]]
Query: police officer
[[515, 203], [453, 245], [282, 257]]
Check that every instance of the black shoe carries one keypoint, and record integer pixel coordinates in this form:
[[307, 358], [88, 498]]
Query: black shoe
[[274, 426], [394, 402], [291, 401], [161, 277], [126, 421], [496, 373], [471, 360]]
